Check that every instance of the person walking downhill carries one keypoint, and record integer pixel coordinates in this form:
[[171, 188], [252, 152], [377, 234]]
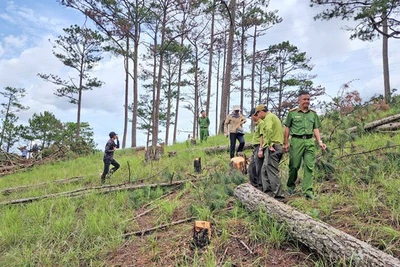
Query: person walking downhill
[[302, 123], [204, 123], [233, 127], [256, 162], [108, 158], [271, 150]]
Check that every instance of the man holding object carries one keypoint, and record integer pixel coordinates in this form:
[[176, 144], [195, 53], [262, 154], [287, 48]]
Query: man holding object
[[109, 156]]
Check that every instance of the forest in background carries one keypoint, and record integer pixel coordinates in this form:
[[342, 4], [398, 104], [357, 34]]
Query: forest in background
[[174, 49]]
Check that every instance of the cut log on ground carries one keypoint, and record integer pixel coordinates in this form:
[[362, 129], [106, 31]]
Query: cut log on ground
[[219, 149], [374, 124], [319, 236], [97, 189], [388, 127], [9, 190]]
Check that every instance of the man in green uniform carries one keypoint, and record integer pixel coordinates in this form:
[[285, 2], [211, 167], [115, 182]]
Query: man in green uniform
[[271, 149], [204, 123], [256, 162], [302, 124]]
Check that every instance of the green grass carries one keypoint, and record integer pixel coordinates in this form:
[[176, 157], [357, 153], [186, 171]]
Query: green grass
[[363, 192]]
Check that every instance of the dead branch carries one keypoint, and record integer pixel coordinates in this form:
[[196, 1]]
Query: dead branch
[[154, 200], [244, 244], [7, 191], [96, 189], [149, 230], [369, 151]]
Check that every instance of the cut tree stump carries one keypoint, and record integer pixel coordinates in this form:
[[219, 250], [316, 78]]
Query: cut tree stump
[[319, 236], [374, 124]]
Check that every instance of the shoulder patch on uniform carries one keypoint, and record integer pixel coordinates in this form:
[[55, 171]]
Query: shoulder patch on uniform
[[293, 109]]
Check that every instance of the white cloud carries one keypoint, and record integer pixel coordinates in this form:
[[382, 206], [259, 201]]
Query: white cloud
[[15, 41]]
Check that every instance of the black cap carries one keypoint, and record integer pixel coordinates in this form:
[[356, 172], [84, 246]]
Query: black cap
[[112, 134], [252, 111]]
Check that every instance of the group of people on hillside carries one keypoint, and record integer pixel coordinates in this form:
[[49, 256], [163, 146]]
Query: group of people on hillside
[[269, 143]]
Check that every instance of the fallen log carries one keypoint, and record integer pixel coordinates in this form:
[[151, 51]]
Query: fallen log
[[319, 236], [9, 190], [97, 189], [393, 126], [372, 125], [218, 149]]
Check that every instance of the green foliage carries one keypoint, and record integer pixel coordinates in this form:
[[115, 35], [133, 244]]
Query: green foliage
[[264, 229], [10, 131], [45, 127], [367, 14]]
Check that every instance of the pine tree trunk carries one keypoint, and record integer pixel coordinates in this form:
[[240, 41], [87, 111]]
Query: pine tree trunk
[[385, 58], [321, 237], [228, 69]]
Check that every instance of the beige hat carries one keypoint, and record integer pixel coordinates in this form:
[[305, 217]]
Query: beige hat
[[236, 107]]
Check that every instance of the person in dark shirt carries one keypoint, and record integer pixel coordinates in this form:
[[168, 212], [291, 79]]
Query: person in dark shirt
[[109, 156]]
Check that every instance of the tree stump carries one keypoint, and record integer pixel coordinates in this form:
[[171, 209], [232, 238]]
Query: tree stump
[[319, 236], [197, 165]]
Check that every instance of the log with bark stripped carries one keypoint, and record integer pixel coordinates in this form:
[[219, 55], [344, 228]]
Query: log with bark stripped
[[374, 124], [321, 237]]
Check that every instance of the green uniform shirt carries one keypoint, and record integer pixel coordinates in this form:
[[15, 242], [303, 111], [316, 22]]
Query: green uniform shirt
[[257, 132], [204, 122], [272, 130], [301, 123]]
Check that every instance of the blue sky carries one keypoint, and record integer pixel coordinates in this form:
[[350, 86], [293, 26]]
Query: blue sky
[[27, 25]]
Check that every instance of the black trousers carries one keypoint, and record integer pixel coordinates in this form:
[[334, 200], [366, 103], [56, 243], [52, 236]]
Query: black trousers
[[107, 163], [233, 137], [255, 168]]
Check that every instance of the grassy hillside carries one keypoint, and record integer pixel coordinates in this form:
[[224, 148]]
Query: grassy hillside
[[360, 197]]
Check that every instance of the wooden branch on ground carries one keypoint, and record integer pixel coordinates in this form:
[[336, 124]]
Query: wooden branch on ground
[[372, 125], [7, 191], [149, 230], [244, 244], [154, 200], [218, 149], [369, 151], [97, 189], [319, 236]]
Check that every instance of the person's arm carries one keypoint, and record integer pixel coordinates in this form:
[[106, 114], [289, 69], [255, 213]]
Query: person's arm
[[318, 138], [317, 125], [260, 153], [226, 126], [243, 120], [117, 143], [208, 122], [286, 139], [267, 135], [286, 132]]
